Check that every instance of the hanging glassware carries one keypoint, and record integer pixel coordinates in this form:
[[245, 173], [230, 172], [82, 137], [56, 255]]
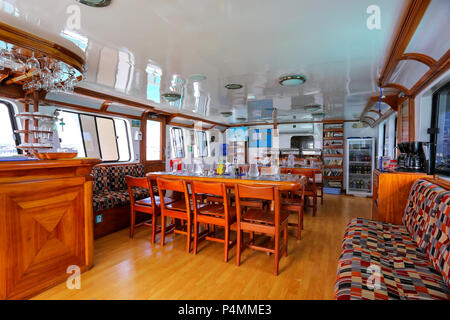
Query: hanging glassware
[[33, 63]]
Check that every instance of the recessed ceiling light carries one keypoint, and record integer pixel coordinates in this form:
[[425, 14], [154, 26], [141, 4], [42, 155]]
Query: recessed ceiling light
[[197, 77], [308, 93], [233, 86], [171, 96], [241, 119], [226, 114], [292, 80], [95, 3]]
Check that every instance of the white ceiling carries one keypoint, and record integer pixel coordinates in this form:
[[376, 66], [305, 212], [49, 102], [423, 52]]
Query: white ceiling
[[250, 42]]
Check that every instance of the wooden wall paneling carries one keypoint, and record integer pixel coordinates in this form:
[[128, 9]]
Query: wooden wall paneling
[[391, 195], [45, 217]]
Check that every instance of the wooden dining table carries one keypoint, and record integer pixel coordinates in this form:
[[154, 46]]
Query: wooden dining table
[[284, 182]]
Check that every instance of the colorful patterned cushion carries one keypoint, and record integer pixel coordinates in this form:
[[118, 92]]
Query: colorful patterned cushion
[[420, 212], [438, 249], [386, 238], [116, 175], [369, 275], [112, 199], [100, 180]]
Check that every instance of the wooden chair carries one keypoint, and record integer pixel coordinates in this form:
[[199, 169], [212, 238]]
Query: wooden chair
[[260, 221], [220, 214], [319, 186], [150, 205], [179, 209], [310, 189], [290, 203]]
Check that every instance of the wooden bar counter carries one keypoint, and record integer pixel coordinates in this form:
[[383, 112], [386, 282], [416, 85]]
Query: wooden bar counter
[[390, 194], [46, 223]]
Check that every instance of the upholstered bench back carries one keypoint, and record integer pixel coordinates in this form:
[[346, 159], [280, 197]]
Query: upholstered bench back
[[427, 219], [112, 178]]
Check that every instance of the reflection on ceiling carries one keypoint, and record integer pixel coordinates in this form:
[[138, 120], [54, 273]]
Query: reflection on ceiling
[[141, 50]]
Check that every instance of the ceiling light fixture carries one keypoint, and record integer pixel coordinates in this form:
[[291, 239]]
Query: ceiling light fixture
[[233, 86], [197, 77], [226, 114], [318, 114], [171, 96], [95, 3], [241, 119], [292, 80]]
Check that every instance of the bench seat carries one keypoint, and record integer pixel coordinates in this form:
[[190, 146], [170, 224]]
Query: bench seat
[[387, 251], [381, 261]]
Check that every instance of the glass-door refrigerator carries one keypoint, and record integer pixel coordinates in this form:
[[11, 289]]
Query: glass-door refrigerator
[[360, 156]]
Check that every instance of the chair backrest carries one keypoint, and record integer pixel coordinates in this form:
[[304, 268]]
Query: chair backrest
[[136, 182], [308, 173], [210, 188], [260, 193], [172, 185]]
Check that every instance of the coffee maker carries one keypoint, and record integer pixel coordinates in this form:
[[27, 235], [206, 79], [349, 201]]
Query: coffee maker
[[413, 157]]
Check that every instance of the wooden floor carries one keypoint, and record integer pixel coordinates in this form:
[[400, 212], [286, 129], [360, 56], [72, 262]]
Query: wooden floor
[[133, 269]]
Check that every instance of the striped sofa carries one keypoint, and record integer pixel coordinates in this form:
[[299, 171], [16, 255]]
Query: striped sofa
[[381, 261]]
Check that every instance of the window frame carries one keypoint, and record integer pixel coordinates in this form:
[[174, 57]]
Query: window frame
[[172, 136], [14, 125], [198, 146], [434, 130], [98, 139]]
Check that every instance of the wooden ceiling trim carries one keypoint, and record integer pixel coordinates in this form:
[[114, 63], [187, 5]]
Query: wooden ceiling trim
[[385, 115], [189, 117], [439, 68], [34, 43], [13, 91], [376, 111], [412, 15], [398, 87], [390, 100], [105, 106], [86, 109], [184, 125], [420, 57], [107, 97]]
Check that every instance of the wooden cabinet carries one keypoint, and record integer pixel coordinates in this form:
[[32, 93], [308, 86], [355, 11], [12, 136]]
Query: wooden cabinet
[[45, 223], [390, 194]]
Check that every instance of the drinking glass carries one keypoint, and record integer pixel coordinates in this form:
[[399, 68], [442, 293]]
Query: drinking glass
[[33, 63]]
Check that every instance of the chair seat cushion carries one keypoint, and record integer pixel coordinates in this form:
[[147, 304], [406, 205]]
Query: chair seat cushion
[[381, 261], [385, 238], [263, 216], [112, 199]]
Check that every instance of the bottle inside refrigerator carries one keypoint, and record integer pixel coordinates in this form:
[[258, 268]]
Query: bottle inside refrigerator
[[360, 153]]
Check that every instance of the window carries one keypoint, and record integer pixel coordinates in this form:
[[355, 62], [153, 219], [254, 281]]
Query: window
[[122, 140], [153, 140], [177, 143], [201, 144], [70, 133], [7, 126], [107, 134], [440, 131], [95, 136]]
